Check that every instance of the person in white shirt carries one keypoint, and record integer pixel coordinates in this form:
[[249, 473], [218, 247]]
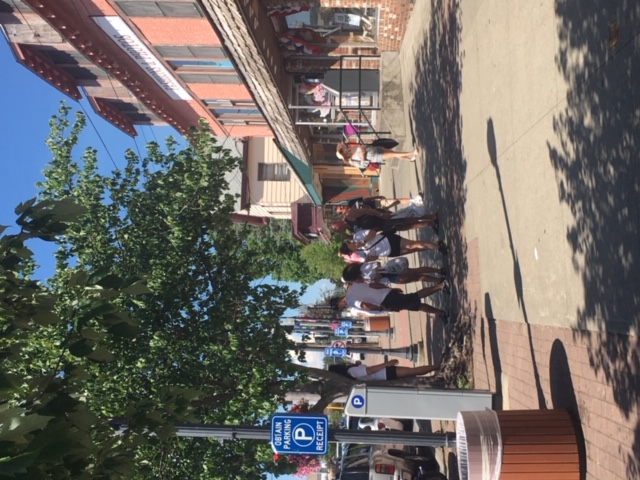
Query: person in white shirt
[[361, 156], [375, 272], [376, 296], [382, 371], [370, 245]]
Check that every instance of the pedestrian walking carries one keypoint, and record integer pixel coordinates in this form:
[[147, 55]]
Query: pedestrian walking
[[381, 298], [382, 371]]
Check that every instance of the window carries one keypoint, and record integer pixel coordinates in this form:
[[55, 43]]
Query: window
[[237, 112], [210, 78], [180, 52], [63, 57], [144, 8], [86, 73], [217, 102], [233, 122], [278, 172], [10, 6], [201, 65]]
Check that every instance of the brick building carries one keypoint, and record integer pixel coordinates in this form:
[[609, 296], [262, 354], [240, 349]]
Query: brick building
[[250, 68]]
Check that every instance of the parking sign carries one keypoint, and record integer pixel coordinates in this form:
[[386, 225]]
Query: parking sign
[[341, 332], [335, 352], [296, 434]]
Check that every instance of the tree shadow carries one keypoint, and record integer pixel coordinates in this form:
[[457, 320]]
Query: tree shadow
[[517, 273], [435, 119], [563, 396], [597, 163]]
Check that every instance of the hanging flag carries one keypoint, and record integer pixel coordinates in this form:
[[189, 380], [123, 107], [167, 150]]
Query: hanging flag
[[284, 10], [303, 40]]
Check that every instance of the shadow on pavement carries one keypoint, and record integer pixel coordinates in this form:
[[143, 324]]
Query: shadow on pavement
[[597, 162], [563, 395], [435, 121], [517, 273], [493, 348]]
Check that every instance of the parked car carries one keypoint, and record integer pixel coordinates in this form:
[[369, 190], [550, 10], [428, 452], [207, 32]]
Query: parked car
[[367, 423], [376, 462], [349, 423]]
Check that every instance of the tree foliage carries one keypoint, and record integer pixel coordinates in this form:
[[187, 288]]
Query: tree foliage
[[153, 315], [279, 252], [322, 258]]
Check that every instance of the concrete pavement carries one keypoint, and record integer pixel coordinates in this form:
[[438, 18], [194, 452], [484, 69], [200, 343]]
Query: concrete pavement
[[528, 118]]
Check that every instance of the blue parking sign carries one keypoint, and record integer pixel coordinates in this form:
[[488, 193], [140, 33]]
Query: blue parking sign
[[341, 332], [346, 323], [335, 352], [297, 434]]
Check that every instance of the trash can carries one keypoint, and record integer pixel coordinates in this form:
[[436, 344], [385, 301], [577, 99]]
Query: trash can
[[517, 445]]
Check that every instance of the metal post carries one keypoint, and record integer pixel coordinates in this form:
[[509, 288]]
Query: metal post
[[335, 435], [245, 432]]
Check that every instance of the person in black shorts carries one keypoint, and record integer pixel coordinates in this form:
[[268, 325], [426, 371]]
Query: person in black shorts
[[382, 371]]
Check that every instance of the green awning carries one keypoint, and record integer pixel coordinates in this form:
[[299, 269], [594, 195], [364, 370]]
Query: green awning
[[303, 172]]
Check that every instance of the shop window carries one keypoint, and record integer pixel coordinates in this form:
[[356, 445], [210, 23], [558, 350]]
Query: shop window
[[278, 172], [142, 8]]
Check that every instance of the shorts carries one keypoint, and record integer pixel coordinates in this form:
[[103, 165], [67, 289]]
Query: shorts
[[374, 154], [397, 301], [392, 277], [391, 373], [394, 243]]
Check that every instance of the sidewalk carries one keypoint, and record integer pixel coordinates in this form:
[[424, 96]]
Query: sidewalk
[[527, 116]]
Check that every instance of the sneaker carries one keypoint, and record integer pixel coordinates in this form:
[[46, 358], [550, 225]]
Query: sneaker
[[447, 288], [444, 318], [442, 247]]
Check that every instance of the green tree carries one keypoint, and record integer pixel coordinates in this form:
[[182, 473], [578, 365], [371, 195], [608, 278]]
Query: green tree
[[153, 315], [161, 320], [322, 258], [279, 251]]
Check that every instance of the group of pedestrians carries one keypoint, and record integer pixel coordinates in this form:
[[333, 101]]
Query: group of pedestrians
[[370, 233], [370, 229]]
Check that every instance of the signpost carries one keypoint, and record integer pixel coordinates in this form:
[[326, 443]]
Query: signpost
[[296, 434], [341, 332], [339, 344]]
